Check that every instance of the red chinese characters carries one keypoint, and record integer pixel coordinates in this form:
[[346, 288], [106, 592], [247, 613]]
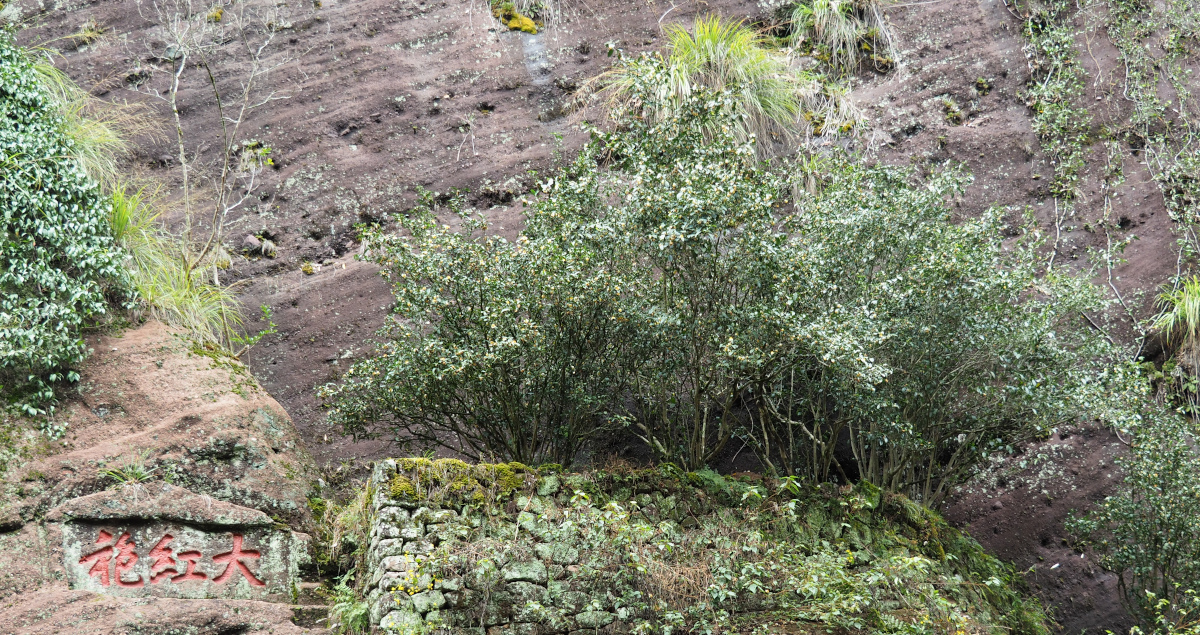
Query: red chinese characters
[[235, 559], [113, 562]]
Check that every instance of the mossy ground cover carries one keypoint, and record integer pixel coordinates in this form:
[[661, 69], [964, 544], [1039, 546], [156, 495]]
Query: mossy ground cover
[[661, 550]]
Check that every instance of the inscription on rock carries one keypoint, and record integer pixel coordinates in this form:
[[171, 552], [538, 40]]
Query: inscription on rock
[[177, 561], [166, 541]]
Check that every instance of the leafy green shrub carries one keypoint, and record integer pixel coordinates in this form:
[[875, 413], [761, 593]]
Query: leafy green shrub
[[681, 292], [1149, 532], [504, 349], [932, 342], [59, 259]]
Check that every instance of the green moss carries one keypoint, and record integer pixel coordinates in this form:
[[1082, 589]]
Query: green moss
[[317, 505], [413, 463], [402, 488], [522, 23], [454, 465]]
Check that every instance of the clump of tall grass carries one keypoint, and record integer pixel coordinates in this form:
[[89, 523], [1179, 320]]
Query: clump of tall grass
[[172, 293], [774, 102], [719, 55], [844, 33], [175, 290], [1179, 321], [99, 130], [343, 532]]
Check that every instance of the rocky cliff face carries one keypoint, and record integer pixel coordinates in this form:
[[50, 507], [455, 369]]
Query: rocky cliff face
[[175, 499], [378, 97]]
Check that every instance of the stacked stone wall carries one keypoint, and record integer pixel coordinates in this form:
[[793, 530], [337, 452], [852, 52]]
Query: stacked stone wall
[[531, 589]]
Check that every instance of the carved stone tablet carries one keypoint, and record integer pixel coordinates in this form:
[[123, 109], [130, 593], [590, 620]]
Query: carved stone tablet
[[162, 540]]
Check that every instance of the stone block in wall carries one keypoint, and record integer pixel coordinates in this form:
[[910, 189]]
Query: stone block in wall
[[557, 552], [391, 585], [556, 624], [532, 571], [385, 549], [165, 541], [535, 504], [467, 600], [530, 601], [515, 629], [392, 516], [419, 547], [427, 601], [548, 485], [440, 516], [594, 619], [384, 531], [413, 530], [404, 621], [564, 597], [447, 532], [499, 609]]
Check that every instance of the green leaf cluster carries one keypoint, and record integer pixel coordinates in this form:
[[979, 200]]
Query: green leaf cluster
[[668, 283], [58, 261], [1149, 531]]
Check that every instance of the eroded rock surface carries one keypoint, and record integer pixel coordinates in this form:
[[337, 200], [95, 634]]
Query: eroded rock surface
[[175, 502]]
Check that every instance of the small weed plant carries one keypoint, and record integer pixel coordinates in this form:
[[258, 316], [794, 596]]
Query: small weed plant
[[133, 471]]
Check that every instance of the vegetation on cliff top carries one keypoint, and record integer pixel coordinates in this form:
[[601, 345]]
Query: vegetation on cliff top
[[776, 318]]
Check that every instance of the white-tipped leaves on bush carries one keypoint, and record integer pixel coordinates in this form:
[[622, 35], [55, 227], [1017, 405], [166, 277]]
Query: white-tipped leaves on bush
[[59, 266], [679, 291]]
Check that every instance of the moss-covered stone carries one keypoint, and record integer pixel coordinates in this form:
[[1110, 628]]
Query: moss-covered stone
[[551, 559], [595, 619], [532, 571], [428, 601]]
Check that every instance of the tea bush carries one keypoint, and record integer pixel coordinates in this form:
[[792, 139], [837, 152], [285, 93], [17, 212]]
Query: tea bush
[[59, 260], [668, 283], [1149, 531]]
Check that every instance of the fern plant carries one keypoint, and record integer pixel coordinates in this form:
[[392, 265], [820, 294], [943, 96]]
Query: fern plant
[[349, 614]]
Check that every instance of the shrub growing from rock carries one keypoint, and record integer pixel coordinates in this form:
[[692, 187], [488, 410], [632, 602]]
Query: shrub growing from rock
[[57, 258], [669, 283]]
